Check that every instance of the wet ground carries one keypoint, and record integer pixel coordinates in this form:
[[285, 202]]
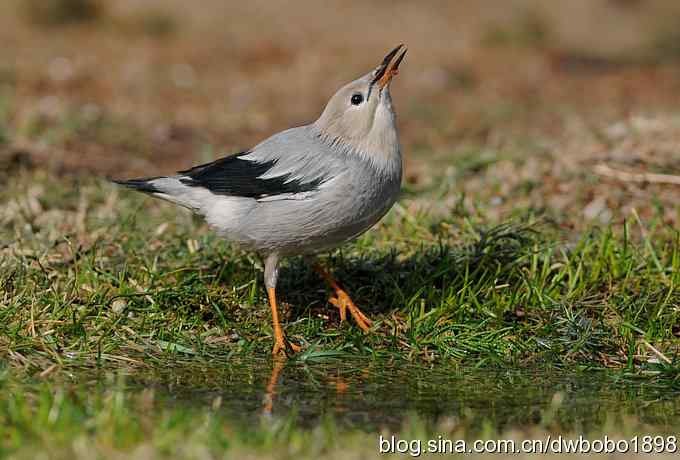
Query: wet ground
[[370, 396]]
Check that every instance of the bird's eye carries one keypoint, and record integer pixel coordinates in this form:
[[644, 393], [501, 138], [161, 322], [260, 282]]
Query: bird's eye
[[357, 98]]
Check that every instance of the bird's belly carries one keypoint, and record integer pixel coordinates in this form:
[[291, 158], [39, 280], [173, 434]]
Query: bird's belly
[[320, 222], [351, 226]]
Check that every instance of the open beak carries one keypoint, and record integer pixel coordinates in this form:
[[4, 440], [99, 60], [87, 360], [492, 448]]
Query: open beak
[[389, 67]]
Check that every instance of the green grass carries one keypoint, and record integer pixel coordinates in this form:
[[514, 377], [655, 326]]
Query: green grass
[[509, 296], [100, 273], [97, 279], [132, 416]]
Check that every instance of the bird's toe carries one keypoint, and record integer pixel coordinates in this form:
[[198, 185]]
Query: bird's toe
[[285, 347], [343, 302]]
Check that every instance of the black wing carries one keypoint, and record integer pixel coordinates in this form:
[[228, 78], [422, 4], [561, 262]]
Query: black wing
[[235, 176]]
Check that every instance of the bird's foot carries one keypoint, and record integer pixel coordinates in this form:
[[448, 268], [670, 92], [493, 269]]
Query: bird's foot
[[344, 303], [282, 345]]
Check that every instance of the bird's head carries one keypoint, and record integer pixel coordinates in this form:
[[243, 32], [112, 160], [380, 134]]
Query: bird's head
[[360, 114]]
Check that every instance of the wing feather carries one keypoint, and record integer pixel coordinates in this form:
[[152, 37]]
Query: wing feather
[[291, 162], [237, 176]]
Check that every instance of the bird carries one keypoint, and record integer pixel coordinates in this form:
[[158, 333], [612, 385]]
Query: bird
[[305, 190]]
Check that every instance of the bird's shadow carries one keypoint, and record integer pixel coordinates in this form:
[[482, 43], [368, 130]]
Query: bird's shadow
[[381, 281]]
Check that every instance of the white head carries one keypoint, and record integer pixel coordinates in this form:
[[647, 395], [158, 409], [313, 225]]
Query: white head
[[360, 114]]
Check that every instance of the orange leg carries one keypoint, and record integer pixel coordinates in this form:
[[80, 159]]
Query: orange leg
[[282, 345], [343, 301], [270, 392]]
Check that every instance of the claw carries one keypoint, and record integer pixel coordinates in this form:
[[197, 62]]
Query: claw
[[343, 309], [282, 345], [344, 302]]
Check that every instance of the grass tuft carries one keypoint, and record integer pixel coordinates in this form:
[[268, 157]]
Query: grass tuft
[[112, 277], [62, 12]]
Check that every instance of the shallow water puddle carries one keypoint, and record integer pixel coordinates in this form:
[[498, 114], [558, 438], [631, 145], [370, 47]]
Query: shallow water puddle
[[369, 395]]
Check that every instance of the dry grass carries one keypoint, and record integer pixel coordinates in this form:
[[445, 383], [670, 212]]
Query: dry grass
[[155, 88]]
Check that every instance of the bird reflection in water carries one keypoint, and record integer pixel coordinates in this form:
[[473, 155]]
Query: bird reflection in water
[[337, 382]]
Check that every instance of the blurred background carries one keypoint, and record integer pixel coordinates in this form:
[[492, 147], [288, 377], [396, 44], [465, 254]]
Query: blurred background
[[513, 102], [124, 322]]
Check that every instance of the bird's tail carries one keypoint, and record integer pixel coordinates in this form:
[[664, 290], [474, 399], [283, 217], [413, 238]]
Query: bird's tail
[[145, 185], [169, 188]]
